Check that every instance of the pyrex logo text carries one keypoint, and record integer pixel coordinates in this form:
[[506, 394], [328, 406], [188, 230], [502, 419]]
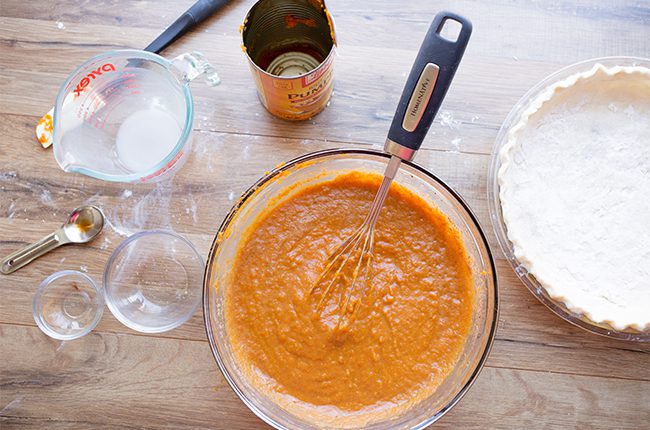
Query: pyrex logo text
[[108, 67]]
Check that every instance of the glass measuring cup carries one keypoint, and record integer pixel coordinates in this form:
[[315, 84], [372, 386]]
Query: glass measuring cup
[[126, 116]]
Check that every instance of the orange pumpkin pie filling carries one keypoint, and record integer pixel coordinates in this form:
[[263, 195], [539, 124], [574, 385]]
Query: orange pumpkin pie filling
[[411, 322]]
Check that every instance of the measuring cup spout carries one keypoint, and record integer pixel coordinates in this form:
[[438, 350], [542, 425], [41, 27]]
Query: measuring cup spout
[[190, 65]]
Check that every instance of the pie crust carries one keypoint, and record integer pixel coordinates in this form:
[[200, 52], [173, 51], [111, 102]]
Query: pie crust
[[574, 187]]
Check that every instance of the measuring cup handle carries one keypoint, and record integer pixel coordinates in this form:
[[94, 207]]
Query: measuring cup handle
[[190, 65], [31, 252]]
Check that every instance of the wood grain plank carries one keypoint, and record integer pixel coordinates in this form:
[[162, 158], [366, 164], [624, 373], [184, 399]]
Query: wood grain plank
[[359, 24], [139, 382], [114, 380], [538, 400]]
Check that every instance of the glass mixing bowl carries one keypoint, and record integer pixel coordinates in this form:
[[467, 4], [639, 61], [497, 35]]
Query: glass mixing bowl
[[494, 203], [321, 166]]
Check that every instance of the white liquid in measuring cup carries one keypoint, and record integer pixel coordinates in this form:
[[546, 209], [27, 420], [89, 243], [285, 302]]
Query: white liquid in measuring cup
[[145, 138]]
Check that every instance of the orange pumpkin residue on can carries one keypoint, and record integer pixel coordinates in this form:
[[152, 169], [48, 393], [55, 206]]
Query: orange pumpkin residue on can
[[290, 47], [293, 20]]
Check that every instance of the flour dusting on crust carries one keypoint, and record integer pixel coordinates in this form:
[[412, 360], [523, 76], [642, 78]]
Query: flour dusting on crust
[[575, 193]]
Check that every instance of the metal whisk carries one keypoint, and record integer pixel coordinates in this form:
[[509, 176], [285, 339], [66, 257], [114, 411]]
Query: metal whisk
[[364, 235], [427, 84]]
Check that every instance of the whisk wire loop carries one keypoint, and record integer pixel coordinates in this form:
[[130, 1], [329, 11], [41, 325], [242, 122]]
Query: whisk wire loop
[[363, 238]]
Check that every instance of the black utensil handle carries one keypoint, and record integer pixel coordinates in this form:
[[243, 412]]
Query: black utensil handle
[[427, 84], [191, 17]]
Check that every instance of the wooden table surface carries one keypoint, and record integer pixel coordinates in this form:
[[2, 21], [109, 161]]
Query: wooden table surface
[[542, 372]]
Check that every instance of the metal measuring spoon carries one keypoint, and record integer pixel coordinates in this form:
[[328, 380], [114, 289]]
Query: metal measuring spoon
[[83, 225]]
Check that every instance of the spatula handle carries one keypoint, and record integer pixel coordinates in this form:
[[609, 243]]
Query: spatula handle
[[427, 84], [199, 11]]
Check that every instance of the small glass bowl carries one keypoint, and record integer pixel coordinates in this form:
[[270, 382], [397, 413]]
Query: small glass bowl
[[67, 305], [496, 216], [152, 281]]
